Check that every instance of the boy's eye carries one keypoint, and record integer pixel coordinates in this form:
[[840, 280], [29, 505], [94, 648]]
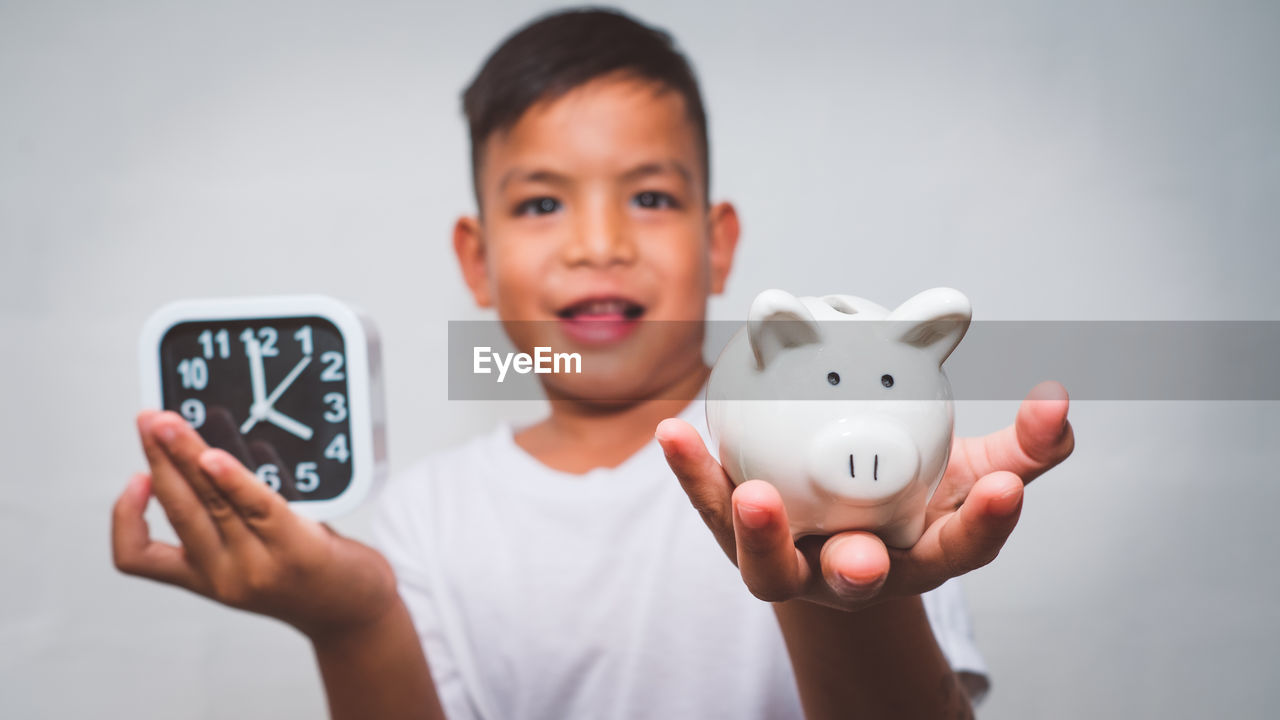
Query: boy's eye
[[538, 206], [654, 200]]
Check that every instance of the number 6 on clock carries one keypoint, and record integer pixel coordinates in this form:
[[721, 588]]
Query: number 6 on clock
[[297, 397]]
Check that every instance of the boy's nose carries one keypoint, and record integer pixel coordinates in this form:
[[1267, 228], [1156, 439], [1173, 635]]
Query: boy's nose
[[600, 237]]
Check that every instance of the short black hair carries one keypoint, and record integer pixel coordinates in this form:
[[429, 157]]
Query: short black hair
[[559, 52]]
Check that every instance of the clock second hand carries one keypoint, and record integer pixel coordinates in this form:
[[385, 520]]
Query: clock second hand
[[288, 380], [260, 409]]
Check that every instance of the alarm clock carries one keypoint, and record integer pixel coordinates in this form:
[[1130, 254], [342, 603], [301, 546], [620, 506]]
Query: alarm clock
[[289, 385]]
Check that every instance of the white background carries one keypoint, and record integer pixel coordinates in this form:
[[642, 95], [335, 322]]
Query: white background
[[1083, 160]]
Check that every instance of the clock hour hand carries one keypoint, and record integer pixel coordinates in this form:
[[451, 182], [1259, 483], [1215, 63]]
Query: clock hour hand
[[286, 423]]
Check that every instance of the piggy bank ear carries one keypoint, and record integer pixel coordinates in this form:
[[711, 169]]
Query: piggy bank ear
[[778, 320], [934, 321]]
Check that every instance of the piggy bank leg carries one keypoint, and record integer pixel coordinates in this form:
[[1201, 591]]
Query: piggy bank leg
[[903, 533]]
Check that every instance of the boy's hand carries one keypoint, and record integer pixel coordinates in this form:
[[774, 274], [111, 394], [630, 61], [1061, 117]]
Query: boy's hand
[[969, 517], [241, 544]]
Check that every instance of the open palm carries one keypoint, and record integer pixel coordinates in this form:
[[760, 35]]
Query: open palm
[[968, 520]]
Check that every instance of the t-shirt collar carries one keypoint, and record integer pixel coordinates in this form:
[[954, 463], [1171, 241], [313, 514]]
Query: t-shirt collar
[[694, 413]]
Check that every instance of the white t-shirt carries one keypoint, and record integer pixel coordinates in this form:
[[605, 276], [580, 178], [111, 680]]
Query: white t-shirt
[[542, 594]]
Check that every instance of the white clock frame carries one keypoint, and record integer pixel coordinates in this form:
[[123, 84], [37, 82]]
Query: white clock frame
[[362, 347]]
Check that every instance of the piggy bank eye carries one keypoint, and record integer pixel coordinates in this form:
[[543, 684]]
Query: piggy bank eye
[[886, 380], [833, 378]]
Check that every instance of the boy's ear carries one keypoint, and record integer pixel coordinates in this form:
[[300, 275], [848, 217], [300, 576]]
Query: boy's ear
[[469, 246], [724, 241]]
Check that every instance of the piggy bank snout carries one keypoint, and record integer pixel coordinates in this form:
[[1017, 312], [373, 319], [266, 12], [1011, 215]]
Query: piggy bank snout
[[867, 460]]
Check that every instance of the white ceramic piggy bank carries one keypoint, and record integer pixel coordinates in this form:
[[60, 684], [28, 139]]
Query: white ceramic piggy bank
[[842, 405]]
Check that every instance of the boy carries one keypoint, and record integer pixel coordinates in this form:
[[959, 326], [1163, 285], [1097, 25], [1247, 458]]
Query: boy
[[553, 571]]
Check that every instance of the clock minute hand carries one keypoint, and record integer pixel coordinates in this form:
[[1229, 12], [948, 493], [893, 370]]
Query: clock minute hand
[[257, 376], [257, 381]]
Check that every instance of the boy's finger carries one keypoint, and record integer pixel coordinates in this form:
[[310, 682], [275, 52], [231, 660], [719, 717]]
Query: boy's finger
[[1043, 431], [260, 507], [237, 532], [132, 549], [1039, 438], [772, 567], [184, 447], [186, 513], [855, 565], [702, 478], [966, 539]]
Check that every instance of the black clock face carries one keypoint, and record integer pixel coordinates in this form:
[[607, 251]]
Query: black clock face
[[270, 391]]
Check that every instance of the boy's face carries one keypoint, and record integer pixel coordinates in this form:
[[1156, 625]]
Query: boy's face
[[594, 222]]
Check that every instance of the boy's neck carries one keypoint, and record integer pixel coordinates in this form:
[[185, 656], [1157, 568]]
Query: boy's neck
[[578, 437]]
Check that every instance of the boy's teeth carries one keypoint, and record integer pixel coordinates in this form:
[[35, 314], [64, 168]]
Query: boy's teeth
[[603, 307]]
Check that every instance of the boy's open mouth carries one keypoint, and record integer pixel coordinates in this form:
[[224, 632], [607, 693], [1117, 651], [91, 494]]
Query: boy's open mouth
[[600, 319], [602, 309]]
